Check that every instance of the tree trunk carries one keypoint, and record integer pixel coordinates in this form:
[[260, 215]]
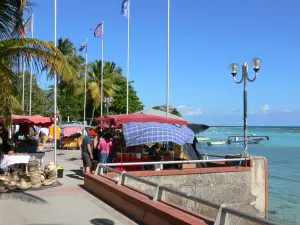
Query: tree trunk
[[92, 116]]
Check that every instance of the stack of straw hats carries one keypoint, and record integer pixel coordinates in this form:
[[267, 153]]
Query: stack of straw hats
[[35, 175], [50, 172], [24, 185], [4, 182]]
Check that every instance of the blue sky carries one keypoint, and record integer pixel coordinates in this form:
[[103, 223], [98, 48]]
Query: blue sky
[[206, 36]]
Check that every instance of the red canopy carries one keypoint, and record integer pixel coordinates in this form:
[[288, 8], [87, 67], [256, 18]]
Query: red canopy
[[139, 117], [31, 120]]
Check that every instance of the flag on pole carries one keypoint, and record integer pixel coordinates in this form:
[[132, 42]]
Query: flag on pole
[[125, 8], [28, 25], [98, 30], [83, 47]]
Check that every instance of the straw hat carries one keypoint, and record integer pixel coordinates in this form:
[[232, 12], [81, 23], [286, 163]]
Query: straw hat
[[3, 187], [32, 167], [24, 185], [50, 167], [4, 178], [13, 185], [43, 177], [51, 175], [15, 177], [38, 185], [48, 182]]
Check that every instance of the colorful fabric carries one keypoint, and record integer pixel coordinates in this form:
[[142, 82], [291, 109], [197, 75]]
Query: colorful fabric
[[28, 24], [98, 30], [83, 47], [69, 131], [125, 8], [105, 146], [145, 133]]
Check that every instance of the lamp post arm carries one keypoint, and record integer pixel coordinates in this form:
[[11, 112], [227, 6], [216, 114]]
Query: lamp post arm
[[252, 80], [238, 82]]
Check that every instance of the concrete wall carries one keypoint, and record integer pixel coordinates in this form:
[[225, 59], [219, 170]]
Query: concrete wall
[[243, 190]]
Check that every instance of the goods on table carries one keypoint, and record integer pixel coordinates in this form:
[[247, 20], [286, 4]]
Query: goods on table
[[27, 145], [35, 178]]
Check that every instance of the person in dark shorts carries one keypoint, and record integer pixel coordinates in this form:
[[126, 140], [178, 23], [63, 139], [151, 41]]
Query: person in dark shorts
[[87, 155]]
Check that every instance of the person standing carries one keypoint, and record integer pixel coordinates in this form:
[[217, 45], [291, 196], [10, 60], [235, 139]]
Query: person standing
[[105, 146], [87, 154]]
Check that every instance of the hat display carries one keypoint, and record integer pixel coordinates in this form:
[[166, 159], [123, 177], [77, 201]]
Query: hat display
[[24, 185], [3, 187], [48, 182], [37, 185], [35, 177]]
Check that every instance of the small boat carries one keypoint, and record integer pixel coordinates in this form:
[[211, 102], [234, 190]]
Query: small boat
[[253, 134], [203, 138], [216, 142], [249, 141]]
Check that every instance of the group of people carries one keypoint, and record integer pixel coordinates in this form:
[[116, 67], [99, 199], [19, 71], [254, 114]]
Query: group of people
[[96, 148]]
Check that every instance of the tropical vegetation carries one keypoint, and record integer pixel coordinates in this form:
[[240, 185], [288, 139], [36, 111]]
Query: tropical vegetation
[[172, 109], [17, 53], [42, 54]]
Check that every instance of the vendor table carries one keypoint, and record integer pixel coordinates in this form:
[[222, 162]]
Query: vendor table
[[9, 160], [130, 168]]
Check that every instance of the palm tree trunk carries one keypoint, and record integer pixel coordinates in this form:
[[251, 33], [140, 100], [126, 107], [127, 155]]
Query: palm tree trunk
[[92, 116]]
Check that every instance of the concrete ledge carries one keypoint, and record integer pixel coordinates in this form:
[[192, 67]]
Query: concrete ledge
[[149, 173], [138, 205]]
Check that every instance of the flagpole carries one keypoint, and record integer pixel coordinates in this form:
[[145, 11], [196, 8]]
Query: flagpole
[[168, 64], [23, 84], [55, 97], [128, 60], [30, 88], [85, 75], [102, 66]]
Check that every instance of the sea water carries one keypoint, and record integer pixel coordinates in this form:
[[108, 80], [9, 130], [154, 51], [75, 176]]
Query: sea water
[[283, 154]]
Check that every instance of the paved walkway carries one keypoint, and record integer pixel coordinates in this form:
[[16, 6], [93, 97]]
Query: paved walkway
[[68, 204]]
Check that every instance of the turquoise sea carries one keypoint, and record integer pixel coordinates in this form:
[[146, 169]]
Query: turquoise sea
[[283, 154]]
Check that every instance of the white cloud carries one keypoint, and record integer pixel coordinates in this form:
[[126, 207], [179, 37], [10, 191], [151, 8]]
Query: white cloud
[[265, 108], [286, 110], [188, 111]]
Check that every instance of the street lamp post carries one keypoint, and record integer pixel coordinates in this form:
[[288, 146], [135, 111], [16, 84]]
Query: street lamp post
[[234, 69], [107, 102]]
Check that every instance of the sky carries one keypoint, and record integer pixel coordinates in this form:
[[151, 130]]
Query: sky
[[205, 38]]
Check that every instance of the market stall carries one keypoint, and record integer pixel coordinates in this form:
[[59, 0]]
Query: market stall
[[71, 135], [24, 142]]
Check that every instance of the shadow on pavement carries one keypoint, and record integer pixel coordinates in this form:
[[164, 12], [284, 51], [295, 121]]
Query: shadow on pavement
[[73, 159], [22, 196], [101, 221], [78, 174]]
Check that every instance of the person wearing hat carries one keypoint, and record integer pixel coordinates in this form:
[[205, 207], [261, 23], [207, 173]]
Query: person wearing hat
[[87, 155]]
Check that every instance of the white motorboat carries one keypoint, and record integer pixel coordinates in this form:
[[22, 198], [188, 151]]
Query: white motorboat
[[200, 139], [216, 142]]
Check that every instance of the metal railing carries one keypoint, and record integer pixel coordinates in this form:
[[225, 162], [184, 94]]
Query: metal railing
[[222, 216], [161, 163]]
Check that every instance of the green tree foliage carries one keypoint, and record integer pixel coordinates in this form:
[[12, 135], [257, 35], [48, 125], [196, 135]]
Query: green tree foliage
[[118, 105], [42, 54], [172, 109], [40, 102]]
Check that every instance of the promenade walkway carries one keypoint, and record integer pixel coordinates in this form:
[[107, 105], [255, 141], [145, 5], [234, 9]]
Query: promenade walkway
[[68, 204]]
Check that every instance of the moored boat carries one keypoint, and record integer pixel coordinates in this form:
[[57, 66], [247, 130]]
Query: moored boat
[[203, 138], [216, 142], [249, 141]]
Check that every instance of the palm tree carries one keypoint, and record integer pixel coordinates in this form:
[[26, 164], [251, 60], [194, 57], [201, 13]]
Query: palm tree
[[75, 61], [43, 54], [110, 75]]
